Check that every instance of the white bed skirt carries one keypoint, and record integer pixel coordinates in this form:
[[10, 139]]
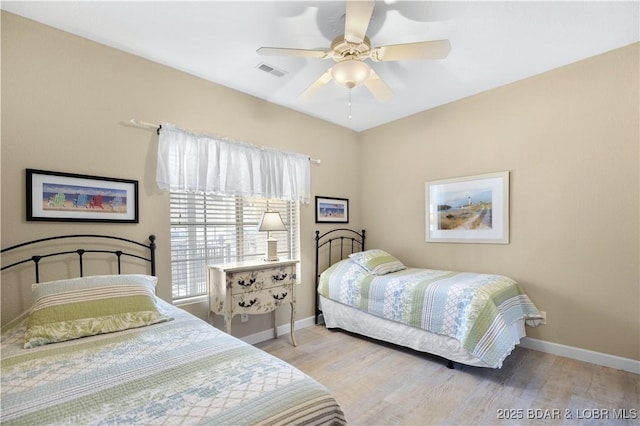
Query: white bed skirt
[[337, 315]]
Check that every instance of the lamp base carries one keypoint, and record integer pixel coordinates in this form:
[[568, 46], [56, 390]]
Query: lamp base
[[272, 250]]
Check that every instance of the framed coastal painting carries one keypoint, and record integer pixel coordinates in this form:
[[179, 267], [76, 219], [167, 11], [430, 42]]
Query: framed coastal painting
[[67, 197], [332, 210], [471, 209]]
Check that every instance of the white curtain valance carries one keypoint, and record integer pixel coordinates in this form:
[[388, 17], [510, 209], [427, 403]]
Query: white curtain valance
[[199, 163]]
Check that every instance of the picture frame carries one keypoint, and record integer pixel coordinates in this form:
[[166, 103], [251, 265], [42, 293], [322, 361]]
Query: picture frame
[[471, 209], [69, 197], [332, 210]]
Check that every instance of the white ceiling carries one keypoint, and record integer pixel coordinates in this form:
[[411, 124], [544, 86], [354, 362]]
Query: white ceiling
[[492, 44]]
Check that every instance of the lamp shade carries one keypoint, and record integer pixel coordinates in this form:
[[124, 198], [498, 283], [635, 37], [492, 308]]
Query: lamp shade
[[350, 73], [271, 221]]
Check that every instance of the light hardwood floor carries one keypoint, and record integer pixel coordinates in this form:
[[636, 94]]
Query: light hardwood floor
[[381, 384]]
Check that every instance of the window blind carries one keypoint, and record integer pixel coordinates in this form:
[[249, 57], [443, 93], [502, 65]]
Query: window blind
[[214, 229]]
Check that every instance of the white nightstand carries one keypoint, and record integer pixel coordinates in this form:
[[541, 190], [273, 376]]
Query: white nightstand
[[252, 287]]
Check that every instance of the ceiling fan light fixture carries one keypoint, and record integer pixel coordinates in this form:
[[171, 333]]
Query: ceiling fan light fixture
[[350, 73]]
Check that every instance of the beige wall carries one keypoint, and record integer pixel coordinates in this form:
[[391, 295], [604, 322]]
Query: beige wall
[[64, 102], [570, 139]]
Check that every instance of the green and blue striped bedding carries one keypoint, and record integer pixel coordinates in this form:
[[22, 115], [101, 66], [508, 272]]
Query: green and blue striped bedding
[[475, 309], [177, 372]]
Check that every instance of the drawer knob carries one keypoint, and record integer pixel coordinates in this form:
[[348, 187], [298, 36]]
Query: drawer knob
[[243, 283], [252, 302], [279, 277], [280, 297]]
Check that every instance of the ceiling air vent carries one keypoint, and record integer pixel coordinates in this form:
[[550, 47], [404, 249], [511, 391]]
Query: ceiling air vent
[[271, 70]]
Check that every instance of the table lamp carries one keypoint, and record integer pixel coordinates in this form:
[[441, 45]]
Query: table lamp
[[271, 221]]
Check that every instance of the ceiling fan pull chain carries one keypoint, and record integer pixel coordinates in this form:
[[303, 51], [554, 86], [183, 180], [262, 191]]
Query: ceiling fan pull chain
[[349, 104]]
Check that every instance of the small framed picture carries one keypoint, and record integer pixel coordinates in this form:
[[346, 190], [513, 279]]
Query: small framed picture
[[332, 210], [67, 197]]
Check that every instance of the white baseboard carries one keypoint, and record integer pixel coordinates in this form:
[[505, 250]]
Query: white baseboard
[[598, 358], [263, 336]]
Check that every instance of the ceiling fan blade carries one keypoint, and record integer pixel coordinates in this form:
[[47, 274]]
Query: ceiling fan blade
[[283, 51], [436, 49], [316, 85], [357, 18], [378, 88]]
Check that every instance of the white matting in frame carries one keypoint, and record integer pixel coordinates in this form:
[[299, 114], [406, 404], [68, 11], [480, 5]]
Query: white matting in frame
[[471, 209]]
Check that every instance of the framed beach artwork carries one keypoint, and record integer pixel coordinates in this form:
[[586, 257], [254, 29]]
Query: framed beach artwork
[[67, 197], [472, 209], [332, 210]]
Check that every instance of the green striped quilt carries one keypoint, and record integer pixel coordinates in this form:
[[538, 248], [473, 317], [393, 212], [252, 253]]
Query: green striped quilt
[[178, 372], [475, 309]]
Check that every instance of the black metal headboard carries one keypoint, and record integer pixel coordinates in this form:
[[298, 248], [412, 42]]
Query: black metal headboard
[[151, 247], [341, 242]]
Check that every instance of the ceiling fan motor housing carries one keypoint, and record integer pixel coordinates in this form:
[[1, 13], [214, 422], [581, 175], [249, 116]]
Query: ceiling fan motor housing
[[343, 49]]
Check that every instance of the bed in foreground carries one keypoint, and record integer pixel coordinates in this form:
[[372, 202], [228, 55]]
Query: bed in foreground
[[470, 318], [138, 360]]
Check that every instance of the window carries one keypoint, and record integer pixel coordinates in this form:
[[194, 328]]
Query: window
[[208, 229]]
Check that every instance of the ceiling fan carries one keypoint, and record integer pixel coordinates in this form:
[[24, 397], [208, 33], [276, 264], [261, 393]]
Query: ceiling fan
[[350, 50]]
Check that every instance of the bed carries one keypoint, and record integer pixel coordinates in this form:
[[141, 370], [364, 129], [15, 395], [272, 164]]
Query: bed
[[469, 318], [103, 349]]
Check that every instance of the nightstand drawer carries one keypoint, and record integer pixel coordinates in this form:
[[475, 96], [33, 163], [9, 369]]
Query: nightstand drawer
[[261, 279], [258, 302]]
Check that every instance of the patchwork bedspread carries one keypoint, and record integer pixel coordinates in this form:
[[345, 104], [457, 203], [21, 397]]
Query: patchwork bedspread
[[475, 309], [180, 372]]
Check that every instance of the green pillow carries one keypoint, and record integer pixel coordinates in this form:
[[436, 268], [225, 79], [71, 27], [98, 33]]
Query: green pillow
[[377, 262], [79, 307]]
